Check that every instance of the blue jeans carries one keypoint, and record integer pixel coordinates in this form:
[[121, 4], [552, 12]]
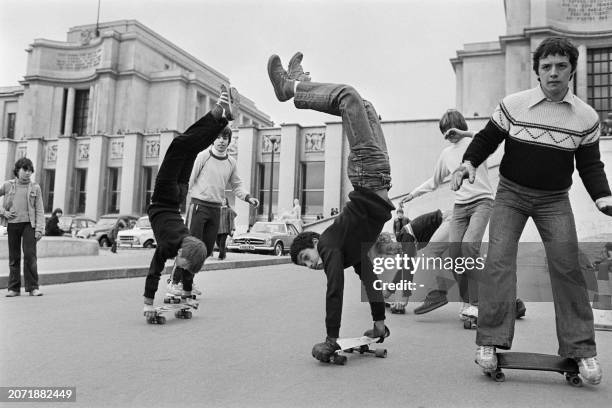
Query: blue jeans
[[466, 231], [368, 161], [552, 214]]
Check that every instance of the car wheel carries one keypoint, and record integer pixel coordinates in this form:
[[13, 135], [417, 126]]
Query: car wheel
[[105, 242], [148, 244], [278, 249]]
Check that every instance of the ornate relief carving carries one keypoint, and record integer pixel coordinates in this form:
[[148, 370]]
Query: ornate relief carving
[[116, 151], [152, 148], [83, 151], [267, 144], [51, 155], [314, 142]]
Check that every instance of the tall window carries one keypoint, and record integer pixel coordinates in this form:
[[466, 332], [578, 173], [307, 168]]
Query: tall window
[[48, 188], [148, 179], [81, 109], [80, 191], [264, 188], [114, 192], [599, 84], [10, 125], [312, 187]]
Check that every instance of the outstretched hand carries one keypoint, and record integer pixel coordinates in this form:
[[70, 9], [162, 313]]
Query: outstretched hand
[[254, 202], [406, 199], [604, 205], [466, 170]]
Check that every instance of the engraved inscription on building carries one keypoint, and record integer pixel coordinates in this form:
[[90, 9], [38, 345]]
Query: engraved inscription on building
[[78, 60], [584, 11]]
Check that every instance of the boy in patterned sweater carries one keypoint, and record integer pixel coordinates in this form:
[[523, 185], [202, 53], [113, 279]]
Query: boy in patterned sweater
[[545, 130]]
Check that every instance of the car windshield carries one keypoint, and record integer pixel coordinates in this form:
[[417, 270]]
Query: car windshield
[[143, 223], [268, 228], [106, 222]]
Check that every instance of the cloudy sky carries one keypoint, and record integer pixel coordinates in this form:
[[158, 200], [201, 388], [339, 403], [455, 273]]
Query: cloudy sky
[[395, 52]]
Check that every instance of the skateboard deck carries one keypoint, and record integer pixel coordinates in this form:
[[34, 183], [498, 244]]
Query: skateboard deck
[[538, 362], [181, 311], [356, 344]]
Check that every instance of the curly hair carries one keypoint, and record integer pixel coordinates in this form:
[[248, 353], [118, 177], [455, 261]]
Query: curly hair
[[302, 241], [194, 251], [23, 163], [555, 46]]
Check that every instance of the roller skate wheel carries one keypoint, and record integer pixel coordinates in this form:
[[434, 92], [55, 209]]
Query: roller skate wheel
[[380, 353]]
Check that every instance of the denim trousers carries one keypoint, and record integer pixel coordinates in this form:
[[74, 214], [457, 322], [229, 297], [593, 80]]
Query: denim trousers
[[466, 231], [552, 214], [22, 235], [368, 161]]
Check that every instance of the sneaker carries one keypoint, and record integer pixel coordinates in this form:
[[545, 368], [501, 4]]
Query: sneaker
[[148, 311], [175, 289], [432, 301], [521, 309], [486, 357], [295, 70], [35, 292], [195, 291], [283, 86], [590, 370], [12, 293], [229, 102], [469, 311], [462, 315]]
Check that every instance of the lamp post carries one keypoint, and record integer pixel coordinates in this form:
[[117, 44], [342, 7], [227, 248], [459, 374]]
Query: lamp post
[[273, 140]]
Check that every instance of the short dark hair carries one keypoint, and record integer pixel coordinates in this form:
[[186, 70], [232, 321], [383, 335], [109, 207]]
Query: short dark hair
[[302, 241], [23, 163], [57, 210], [194, 251], [226, 133], [452, 118], [555, 46], [399, 210]]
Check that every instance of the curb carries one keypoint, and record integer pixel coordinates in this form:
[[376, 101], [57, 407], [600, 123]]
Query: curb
[[85, 275]]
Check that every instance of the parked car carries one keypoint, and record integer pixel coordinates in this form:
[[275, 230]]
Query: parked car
[[274, 237], [141, 236], [72, 224], [101, 230]]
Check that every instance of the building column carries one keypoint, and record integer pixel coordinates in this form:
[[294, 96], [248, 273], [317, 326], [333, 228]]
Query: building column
[[98, 148], [247, 148], [581, 73], [36, 152], [334, 139], [7, 156], [69, 113], [131, 169], [288, 164], [64, 170]]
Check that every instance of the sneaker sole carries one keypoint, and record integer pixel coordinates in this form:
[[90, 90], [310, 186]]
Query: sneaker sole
[[271, 60], [419, 311]]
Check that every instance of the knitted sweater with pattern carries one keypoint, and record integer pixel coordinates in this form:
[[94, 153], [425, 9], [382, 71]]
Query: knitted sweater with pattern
[[543, 139]]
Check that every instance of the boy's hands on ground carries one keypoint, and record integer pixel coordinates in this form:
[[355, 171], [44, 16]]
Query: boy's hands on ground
[[604, 204], [466, 170]]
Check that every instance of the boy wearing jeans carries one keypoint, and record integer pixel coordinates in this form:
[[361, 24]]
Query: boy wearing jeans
[[347, 241], [172, 236]]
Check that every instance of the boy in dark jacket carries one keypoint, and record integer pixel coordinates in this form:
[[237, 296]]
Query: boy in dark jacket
[[347, 241], [172, 236]]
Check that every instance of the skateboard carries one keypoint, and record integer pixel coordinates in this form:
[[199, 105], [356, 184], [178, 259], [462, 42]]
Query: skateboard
[[470, 322], [360, 345], [181, 311], [538, 362]]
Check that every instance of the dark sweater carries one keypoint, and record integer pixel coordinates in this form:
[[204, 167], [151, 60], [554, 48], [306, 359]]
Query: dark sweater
[[543, 139], [345, 242]]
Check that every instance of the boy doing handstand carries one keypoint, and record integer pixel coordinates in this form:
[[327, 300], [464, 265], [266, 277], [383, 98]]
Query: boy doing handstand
[[347, 241]]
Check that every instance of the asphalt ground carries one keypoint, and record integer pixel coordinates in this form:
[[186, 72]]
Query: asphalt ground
[[249, 345]]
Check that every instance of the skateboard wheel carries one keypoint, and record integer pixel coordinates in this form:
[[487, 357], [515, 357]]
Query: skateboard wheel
[[498, 376], [574, 380], [161, 320], [363, 349], [467, 324], [380, 353], [188, 314]]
